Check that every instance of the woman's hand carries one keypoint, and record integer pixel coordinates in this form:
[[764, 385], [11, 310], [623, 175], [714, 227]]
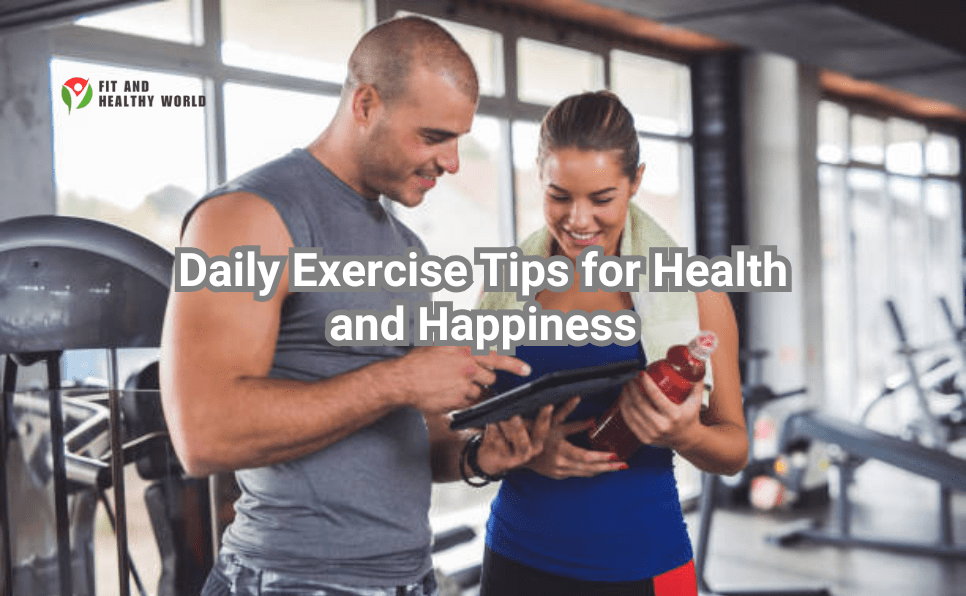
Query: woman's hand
[[655, 419], [513, 442], [562, 459]]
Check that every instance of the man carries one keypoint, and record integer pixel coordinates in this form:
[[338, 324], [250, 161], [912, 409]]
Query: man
[[330, 444]]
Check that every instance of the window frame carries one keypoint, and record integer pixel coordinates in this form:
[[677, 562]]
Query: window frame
[[847, 229], [202, 59]]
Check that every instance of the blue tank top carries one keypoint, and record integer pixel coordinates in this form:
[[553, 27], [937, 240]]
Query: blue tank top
[[617, 526]]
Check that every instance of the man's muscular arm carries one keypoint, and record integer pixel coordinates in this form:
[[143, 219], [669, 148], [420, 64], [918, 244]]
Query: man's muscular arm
[[223, 411]]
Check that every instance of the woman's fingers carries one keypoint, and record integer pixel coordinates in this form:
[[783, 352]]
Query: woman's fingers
[[514, 442], [540, 429], [639, 413], [516, 433], [576, 461], [655, 397], [654, 418], [633, 404], [565, 410], [572, 428]]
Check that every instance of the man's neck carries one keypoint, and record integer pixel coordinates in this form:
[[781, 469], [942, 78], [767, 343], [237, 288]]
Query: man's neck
[[335, 150]]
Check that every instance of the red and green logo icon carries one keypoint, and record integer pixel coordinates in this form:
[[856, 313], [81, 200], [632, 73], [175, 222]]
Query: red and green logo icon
[[76, 85]]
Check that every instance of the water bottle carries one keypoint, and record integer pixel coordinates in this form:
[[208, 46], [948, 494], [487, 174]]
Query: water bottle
[[675, 375]]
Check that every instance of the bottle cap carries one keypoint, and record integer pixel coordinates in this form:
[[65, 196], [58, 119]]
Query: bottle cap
[[703, 345]]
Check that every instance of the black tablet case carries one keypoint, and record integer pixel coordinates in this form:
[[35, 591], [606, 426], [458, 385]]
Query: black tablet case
[[551, 388]]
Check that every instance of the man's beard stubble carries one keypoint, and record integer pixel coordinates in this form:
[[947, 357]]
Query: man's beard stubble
[[376, 165]]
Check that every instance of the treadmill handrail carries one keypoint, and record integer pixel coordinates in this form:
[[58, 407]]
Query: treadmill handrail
[[77, 233]]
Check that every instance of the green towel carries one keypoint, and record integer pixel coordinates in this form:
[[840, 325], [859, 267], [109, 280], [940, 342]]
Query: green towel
[[667, 318]]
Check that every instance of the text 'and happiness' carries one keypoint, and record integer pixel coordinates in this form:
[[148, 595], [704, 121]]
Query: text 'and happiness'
[[666, 269]]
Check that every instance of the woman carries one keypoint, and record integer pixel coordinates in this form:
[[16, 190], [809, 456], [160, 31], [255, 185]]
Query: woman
[[576, 521]]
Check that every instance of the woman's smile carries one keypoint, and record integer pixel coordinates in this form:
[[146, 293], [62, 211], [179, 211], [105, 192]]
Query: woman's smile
[[586, 195]]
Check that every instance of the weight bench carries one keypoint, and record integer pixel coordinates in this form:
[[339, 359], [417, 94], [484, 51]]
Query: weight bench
[[862, 444]]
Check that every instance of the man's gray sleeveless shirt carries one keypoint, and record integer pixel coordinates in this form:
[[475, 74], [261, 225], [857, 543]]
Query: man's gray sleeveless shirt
[[355, 512]]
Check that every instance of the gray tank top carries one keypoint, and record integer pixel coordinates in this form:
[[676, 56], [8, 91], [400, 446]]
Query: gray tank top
[[355, 512]]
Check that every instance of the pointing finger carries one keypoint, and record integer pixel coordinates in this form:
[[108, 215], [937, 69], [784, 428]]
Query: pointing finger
[[508, 363]]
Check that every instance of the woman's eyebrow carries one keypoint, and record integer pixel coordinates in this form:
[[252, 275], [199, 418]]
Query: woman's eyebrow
[[603, 191], [593, 194]]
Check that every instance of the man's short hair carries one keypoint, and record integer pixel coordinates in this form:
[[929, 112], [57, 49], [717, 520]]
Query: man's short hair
[[387, 53]]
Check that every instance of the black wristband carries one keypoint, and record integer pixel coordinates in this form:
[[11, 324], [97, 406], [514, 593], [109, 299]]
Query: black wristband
[[465, 460], [472, 459]]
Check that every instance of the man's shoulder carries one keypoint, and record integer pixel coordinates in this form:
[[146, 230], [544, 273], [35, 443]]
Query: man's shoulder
[[243, 217], [289, 169], [235, 204], [279, 185]]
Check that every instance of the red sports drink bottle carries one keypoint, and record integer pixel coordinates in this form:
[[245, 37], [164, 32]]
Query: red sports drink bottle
[[675, 375]]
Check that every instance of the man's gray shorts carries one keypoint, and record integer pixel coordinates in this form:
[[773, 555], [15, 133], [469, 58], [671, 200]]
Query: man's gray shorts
[[230, 577]]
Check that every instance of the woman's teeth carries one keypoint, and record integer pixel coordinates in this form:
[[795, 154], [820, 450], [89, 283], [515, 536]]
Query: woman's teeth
[[577, 236]]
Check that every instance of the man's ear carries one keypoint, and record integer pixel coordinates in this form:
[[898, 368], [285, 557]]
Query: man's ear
[[365, 103]]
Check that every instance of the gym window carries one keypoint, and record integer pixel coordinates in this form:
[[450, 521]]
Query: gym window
[[273, 84], [890, 201]]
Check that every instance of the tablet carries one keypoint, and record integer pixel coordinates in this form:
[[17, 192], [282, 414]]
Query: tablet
[[551, 388]]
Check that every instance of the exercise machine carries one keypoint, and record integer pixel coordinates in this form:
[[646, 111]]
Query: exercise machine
[[756, 395], [936, 426], [69, 283], [860, 444]]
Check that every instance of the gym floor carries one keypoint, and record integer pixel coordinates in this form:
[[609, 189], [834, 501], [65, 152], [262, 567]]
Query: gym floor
[[887, 503]]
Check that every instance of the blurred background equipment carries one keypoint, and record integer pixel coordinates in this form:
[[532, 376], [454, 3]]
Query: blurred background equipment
[[70, 284]]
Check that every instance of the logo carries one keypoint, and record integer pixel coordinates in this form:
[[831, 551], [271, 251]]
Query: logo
[[77, 85]]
